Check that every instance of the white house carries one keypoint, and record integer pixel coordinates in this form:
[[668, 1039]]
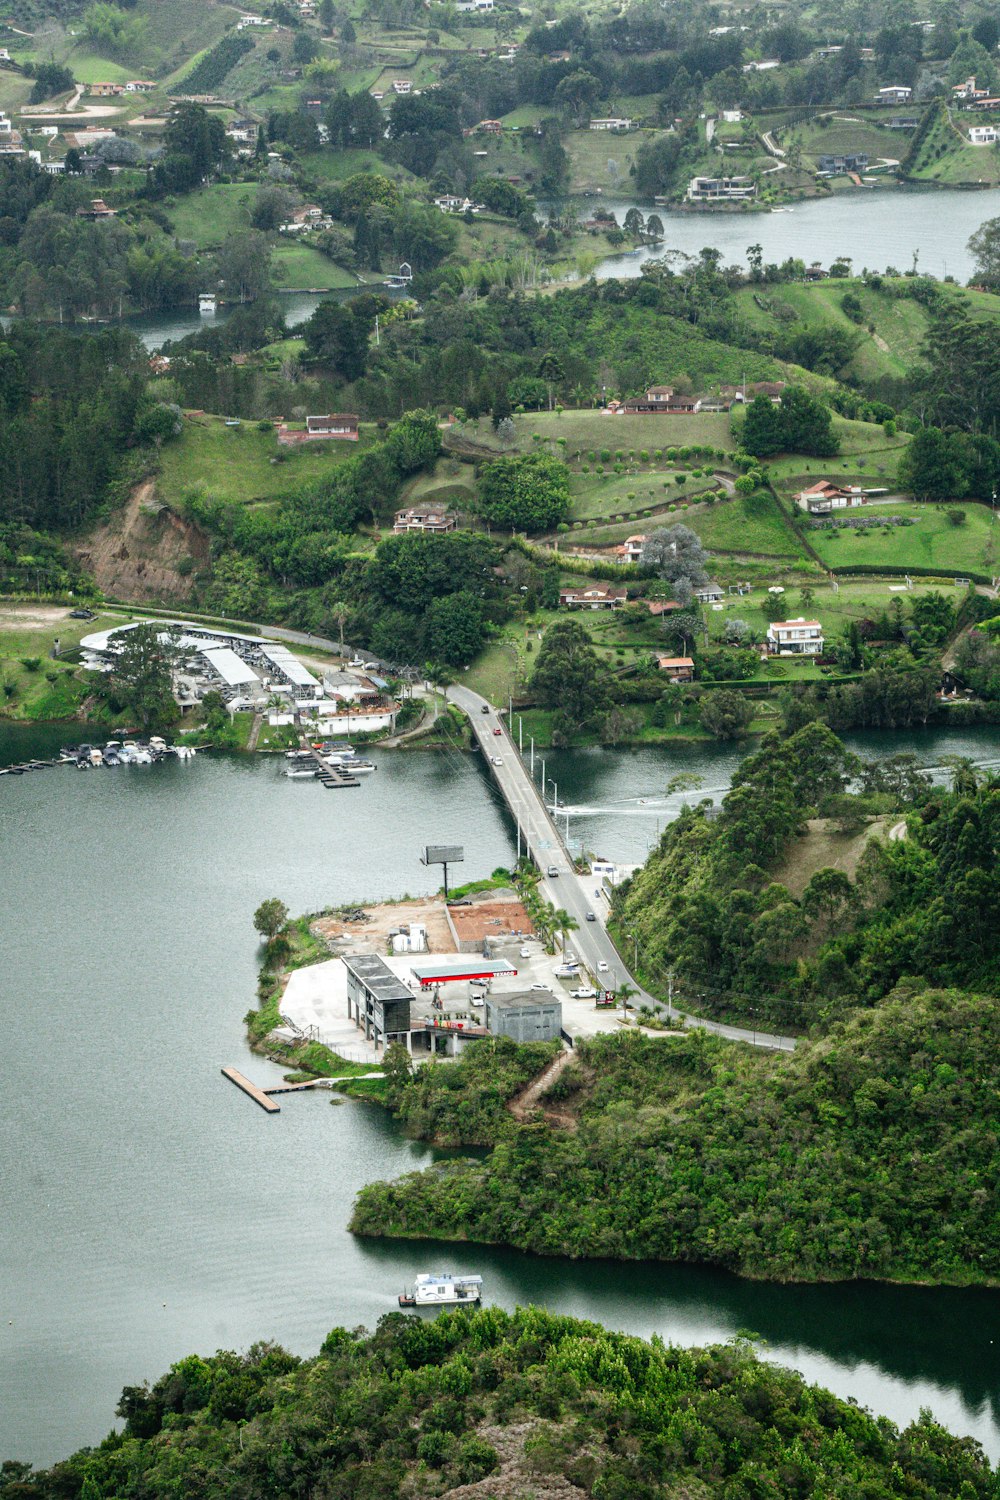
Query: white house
[[709, 593], [245, 21], [795, 638], [475, 5], [983, 135], [895, 93], [598, 596], [721, 189], [611, 123], [402, 86], [630, 550]]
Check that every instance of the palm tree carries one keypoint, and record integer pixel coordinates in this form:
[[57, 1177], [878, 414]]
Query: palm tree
[[624, 993], [340, 612], [562, 925]]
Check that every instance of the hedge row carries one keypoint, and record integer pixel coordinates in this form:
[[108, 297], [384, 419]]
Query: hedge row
[[890, 570]]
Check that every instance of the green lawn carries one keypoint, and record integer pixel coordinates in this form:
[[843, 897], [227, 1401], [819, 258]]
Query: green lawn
[[301, 266], [89, 67], [589, 431], [234, 463], [591, 153], [27, 632], [207, 215], [337, 166], [900, 324], [745, 525], [933, 542], [601, 496], [865, 453]]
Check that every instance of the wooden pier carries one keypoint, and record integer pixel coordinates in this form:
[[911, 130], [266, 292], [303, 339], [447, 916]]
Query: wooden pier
[[259, 1096]]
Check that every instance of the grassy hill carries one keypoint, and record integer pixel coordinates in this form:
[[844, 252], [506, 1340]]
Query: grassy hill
[[238, 463], [931, 542], [942, 154]]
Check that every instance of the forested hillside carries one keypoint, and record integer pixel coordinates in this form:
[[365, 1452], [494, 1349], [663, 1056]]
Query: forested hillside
[[871, 1153], [488, 1404]]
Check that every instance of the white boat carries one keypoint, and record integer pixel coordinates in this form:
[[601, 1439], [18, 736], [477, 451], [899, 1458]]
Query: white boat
[[301, 775], [359, 767], [442, 1290]]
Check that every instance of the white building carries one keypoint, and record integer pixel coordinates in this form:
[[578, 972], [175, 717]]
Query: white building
[[474, 5], [795, 638], [613, 122], [983, 135], [721, 189], [895, 93]]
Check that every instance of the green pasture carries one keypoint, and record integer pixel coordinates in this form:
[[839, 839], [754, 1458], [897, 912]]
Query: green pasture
[[235, 463], [931, 542]]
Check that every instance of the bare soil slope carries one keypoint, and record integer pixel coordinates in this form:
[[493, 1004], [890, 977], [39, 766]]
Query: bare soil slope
[[145, 552]]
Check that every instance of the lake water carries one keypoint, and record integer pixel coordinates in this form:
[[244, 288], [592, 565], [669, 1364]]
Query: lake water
[[877, 228], [147, 1209]]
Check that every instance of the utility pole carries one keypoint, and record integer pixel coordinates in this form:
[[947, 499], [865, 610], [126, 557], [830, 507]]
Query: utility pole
[[520, 735], [532, 757], [670, 995]]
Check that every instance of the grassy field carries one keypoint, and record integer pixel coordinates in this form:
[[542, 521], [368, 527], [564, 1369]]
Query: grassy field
[[297, 266], [29, 632], [838, 133], [865, 454], [945, 156], [601, 496], [209, 214], [745, 525], [337, 166], [589, 431], [234, 463], [591, 153], [933, 542]]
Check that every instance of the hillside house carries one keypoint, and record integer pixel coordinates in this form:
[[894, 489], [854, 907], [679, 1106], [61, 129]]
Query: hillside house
[[660, 607], [824, 497], [894, 93], [988, 102], [425, 518], [402, 86], [319, 429], [983, 135], [839, 166], [140, 86], [98, 210], [795, 638], [678, 668], [750, 390], [661, 398], [721, 190], [598, 596], [709, 593], [105, 90], [612, 122], [630, 550], [482, 6]]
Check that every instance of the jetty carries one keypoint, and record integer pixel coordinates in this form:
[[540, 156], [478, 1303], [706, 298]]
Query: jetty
[[262, 1096]]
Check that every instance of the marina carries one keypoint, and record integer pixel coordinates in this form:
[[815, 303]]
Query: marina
[[126, 752]]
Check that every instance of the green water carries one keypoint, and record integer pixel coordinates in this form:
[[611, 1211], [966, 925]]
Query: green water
[[147, 1209]]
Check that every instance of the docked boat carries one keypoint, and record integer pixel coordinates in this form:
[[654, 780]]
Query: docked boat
[[301, 774], [359, 767], [442, 1290]]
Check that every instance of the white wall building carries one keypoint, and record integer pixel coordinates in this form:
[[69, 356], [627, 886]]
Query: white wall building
[[795, 638]]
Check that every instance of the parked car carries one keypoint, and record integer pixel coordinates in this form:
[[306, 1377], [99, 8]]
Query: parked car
[[602, 966], [525, 952], [82, 614], [583, 993], [373, 666], [591, 917], [544, 988]]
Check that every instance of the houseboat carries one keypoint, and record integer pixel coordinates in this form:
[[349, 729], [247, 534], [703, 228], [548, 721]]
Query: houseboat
[[442, 1290]]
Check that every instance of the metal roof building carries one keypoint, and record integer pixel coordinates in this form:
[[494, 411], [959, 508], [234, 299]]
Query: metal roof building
[[234, 672], [376, 999], [467, 966]]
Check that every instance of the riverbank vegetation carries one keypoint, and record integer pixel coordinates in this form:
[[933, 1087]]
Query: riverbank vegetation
[[869, 1153], [488, 1402]]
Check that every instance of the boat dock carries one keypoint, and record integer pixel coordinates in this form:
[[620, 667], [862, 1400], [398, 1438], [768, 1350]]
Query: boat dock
[[331, 776], [262, 1096], [28, 765], [259, 1096]]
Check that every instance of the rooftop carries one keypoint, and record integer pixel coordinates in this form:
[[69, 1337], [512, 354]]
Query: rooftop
[[374, 973]]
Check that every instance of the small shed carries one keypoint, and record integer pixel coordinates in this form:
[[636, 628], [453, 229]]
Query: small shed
[[524, 1018]]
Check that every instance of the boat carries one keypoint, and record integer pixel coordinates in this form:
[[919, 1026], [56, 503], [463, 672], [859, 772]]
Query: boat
[[442, 1290], [302, 775], [359, 767]]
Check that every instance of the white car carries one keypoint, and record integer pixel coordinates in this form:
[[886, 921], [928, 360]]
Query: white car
[[496, 760], [602, 966], [583, 993], [525, 952], [544, 988]]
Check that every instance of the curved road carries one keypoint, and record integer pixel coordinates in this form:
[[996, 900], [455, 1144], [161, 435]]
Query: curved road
[[575, 893]]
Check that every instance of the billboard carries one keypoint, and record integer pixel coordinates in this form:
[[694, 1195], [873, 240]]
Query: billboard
[[443, 854]]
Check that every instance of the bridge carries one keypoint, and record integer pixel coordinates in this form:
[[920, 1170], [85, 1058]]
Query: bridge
[[576, 894]]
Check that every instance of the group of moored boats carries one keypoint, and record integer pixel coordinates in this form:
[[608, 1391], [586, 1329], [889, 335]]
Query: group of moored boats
[[123, 753], [333, 763]]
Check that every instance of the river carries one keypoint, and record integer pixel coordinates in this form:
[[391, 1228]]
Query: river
[[147, 1209]]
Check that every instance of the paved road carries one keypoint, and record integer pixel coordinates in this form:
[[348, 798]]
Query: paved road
[[574, 893]]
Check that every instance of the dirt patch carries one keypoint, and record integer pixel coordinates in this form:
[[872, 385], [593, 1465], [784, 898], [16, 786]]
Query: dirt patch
[[824, 848], [532, 1096], [519, 1477], [372, 935], [145, 552], [33, 616]]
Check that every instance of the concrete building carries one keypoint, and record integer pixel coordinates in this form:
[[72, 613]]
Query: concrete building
[[721, 190], [524, 1018], [377, 1001], [795, 638]]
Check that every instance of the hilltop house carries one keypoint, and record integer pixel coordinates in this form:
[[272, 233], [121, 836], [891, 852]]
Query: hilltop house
[[598, 596], [983, 135], [98, 210], [894, 93], [795, 638], [839, 166]]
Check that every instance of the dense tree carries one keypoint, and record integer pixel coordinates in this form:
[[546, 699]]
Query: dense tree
[[800, 424], [270, 917], [455, 631], [726, 713], [336, 337], [141, 682], [676, 553], [524, 492], [568, 675]]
